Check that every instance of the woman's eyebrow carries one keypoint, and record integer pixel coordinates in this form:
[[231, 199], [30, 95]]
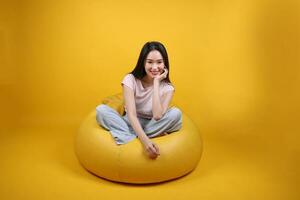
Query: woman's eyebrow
[[154, 60]]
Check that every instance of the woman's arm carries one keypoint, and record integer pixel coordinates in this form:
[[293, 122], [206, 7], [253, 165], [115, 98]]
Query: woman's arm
[[131, 112], [160, 106]]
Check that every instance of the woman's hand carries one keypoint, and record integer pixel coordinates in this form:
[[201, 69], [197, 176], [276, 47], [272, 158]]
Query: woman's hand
[[151, 149], [162, 75]]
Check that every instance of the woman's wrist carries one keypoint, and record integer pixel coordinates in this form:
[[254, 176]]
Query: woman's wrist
[[156, 82], [144, 139]]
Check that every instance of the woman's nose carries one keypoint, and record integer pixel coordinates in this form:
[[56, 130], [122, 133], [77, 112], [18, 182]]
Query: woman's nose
[[154, 66]]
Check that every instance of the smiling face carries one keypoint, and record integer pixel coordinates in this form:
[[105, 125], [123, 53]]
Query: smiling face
[[154, 64]]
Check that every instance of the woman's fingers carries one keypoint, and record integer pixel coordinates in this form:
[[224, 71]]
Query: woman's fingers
[[166, 73], [152, 156], [151, 149]]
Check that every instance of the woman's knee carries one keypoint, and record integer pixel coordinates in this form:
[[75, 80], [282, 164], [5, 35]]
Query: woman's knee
[[102, 109], [175, 114]]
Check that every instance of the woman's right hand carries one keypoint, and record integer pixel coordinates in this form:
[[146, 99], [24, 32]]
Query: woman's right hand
[[151, 148], [162, 76]]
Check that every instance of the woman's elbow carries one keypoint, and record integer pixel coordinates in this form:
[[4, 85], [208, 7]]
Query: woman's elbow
[[157, 117]]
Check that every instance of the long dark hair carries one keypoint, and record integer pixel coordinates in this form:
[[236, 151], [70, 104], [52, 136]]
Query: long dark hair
[[139, 70]]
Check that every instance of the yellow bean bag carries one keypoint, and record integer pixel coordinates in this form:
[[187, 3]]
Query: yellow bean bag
[[98, 153]]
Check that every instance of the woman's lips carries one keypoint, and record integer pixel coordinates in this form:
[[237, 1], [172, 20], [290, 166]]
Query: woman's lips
[[154, 73]]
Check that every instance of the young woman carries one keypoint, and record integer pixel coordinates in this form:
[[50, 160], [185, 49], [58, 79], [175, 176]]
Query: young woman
[[147, 92]]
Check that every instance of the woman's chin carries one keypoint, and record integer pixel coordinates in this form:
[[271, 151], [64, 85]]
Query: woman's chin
[[152, 76], [155, 75]]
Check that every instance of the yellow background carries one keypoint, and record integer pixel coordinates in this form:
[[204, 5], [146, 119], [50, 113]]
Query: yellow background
[[234, 64]]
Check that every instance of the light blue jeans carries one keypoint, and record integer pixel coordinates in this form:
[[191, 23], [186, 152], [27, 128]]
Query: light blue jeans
[[121, 130]]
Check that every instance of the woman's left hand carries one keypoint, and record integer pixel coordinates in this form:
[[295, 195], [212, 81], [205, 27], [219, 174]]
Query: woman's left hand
[[162, 76]]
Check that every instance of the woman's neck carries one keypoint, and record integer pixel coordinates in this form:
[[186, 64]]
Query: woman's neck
[[147, 81]]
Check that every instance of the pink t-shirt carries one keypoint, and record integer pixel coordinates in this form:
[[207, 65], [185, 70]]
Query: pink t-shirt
[[143, 96]]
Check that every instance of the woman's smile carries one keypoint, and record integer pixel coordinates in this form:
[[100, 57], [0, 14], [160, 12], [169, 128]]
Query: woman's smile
[[155, 73]]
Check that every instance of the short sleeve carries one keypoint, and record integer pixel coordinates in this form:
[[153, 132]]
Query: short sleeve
[[129, 81], [169, 87]]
